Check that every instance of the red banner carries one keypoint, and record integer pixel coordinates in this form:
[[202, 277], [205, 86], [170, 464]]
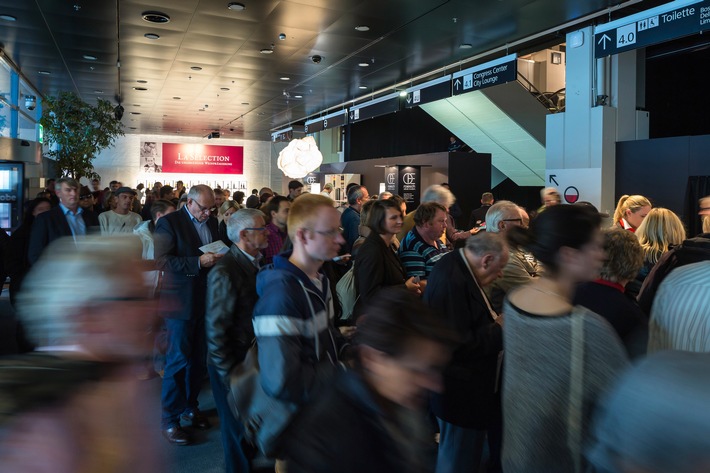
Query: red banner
[[202, 159]]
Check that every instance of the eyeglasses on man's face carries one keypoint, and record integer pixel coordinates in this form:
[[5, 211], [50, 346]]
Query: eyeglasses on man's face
[[203, 208], [330, 233], [259, 229]]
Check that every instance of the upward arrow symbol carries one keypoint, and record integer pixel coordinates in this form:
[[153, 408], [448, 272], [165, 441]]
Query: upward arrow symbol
[[603, 40], [457, 84]]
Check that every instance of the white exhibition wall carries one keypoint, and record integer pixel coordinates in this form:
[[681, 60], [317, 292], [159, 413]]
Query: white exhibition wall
[[121, 162]]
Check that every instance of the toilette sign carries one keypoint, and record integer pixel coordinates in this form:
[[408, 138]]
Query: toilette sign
[[202, 159]]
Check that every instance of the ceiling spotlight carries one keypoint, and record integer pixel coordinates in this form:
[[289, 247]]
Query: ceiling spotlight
[[465, 46], [8, 17], [97, 91], [298, 96], [266, 51], [285, 78], [44, 73], [282, 37], [224, 88], [155, 17], [316, 59], [177, 98], [362, 28], [234, 6], [89, 57], [362, 87], [363, 64], [142, 81], [245, 103], [403, 93], [196, 68], [151, 36], [135, 113], [139, 88]]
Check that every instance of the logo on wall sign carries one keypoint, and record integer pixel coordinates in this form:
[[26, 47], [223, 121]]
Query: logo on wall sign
[[310, 180], [390, 178], [409, 178], [571, 195], [325, 123]]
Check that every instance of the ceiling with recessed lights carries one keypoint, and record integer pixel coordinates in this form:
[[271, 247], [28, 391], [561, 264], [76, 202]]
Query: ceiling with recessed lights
[[246, 68]]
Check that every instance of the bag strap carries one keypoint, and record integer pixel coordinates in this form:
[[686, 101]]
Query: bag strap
[[576, 391]]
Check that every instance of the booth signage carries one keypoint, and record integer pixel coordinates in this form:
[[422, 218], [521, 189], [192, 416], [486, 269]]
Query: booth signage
[[391, 181], [485, 75], [656, 25], [410, 185], [203, 159], [429, 92]]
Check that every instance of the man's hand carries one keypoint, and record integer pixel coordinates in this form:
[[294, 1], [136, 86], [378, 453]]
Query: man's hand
[[209, 259]]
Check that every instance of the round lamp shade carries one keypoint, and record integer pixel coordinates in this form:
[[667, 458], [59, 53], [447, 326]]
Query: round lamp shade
[[300, 157]]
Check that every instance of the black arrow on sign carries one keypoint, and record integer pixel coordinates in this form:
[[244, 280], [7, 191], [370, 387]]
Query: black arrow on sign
[[552, 179]]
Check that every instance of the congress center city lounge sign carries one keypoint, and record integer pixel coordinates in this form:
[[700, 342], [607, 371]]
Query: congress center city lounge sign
[[202, 159]]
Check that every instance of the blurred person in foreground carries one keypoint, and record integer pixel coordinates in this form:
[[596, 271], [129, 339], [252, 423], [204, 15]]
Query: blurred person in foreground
[[370, 419], [656, 418], [75, 404]]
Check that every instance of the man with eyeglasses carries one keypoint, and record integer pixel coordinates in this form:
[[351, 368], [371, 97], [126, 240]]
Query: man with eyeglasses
[[178, 238], [231, 295], [293, 319], [120, 219], [522, 267]]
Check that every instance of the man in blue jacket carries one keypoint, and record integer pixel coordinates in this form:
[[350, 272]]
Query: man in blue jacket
[[293, 319]]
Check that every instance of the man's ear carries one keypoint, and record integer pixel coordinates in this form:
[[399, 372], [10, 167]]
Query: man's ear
[[487, 260]]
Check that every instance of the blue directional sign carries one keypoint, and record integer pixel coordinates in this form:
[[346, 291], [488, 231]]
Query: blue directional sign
[[663, 23], [380, 106], [485, 75], [427, 92], [331, 120]]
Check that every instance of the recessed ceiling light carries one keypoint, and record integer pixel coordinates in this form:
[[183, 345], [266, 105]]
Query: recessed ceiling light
[[155, 17], [135, 113], [139, 88], [177, 98], [236, 6], [44, 73], [465, 46], [196, 68], [201, 110], [266, 51], [89, 57], [142, 81], [363, 87], [8, 17], [362, 28], [98, 91], [245, 103], [136, 105], [402, 93], [224, 88], [285, 78], [133, 128], [363, 64], [298, 96], [151, 36]]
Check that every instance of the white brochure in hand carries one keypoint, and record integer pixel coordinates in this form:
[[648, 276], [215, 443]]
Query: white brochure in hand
[[215, 247]]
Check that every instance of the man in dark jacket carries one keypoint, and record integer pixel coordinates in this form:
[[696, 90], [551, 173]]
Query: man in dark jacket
[[178, 238], [231, 296], [66, 219], [470, 404], [293, 319]]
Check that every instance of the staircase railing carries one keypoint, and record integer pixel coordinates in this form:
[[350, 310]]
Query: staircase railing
[[553, 101]]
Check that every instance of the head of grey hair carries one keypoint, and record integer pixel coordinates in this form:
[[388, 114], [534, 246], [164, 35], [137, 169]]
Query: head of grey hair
[[240, 220], [438, 194], [501, 210], [484, 243]]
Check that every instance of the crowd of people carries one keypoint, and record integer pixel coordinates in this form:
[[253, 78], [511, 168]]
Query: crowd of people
[[374, 339]]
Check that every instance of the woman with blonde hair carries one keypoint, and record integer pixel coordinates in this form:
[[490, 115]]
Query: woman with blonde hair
[[630, 211], [226, 210], [660, 231]]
